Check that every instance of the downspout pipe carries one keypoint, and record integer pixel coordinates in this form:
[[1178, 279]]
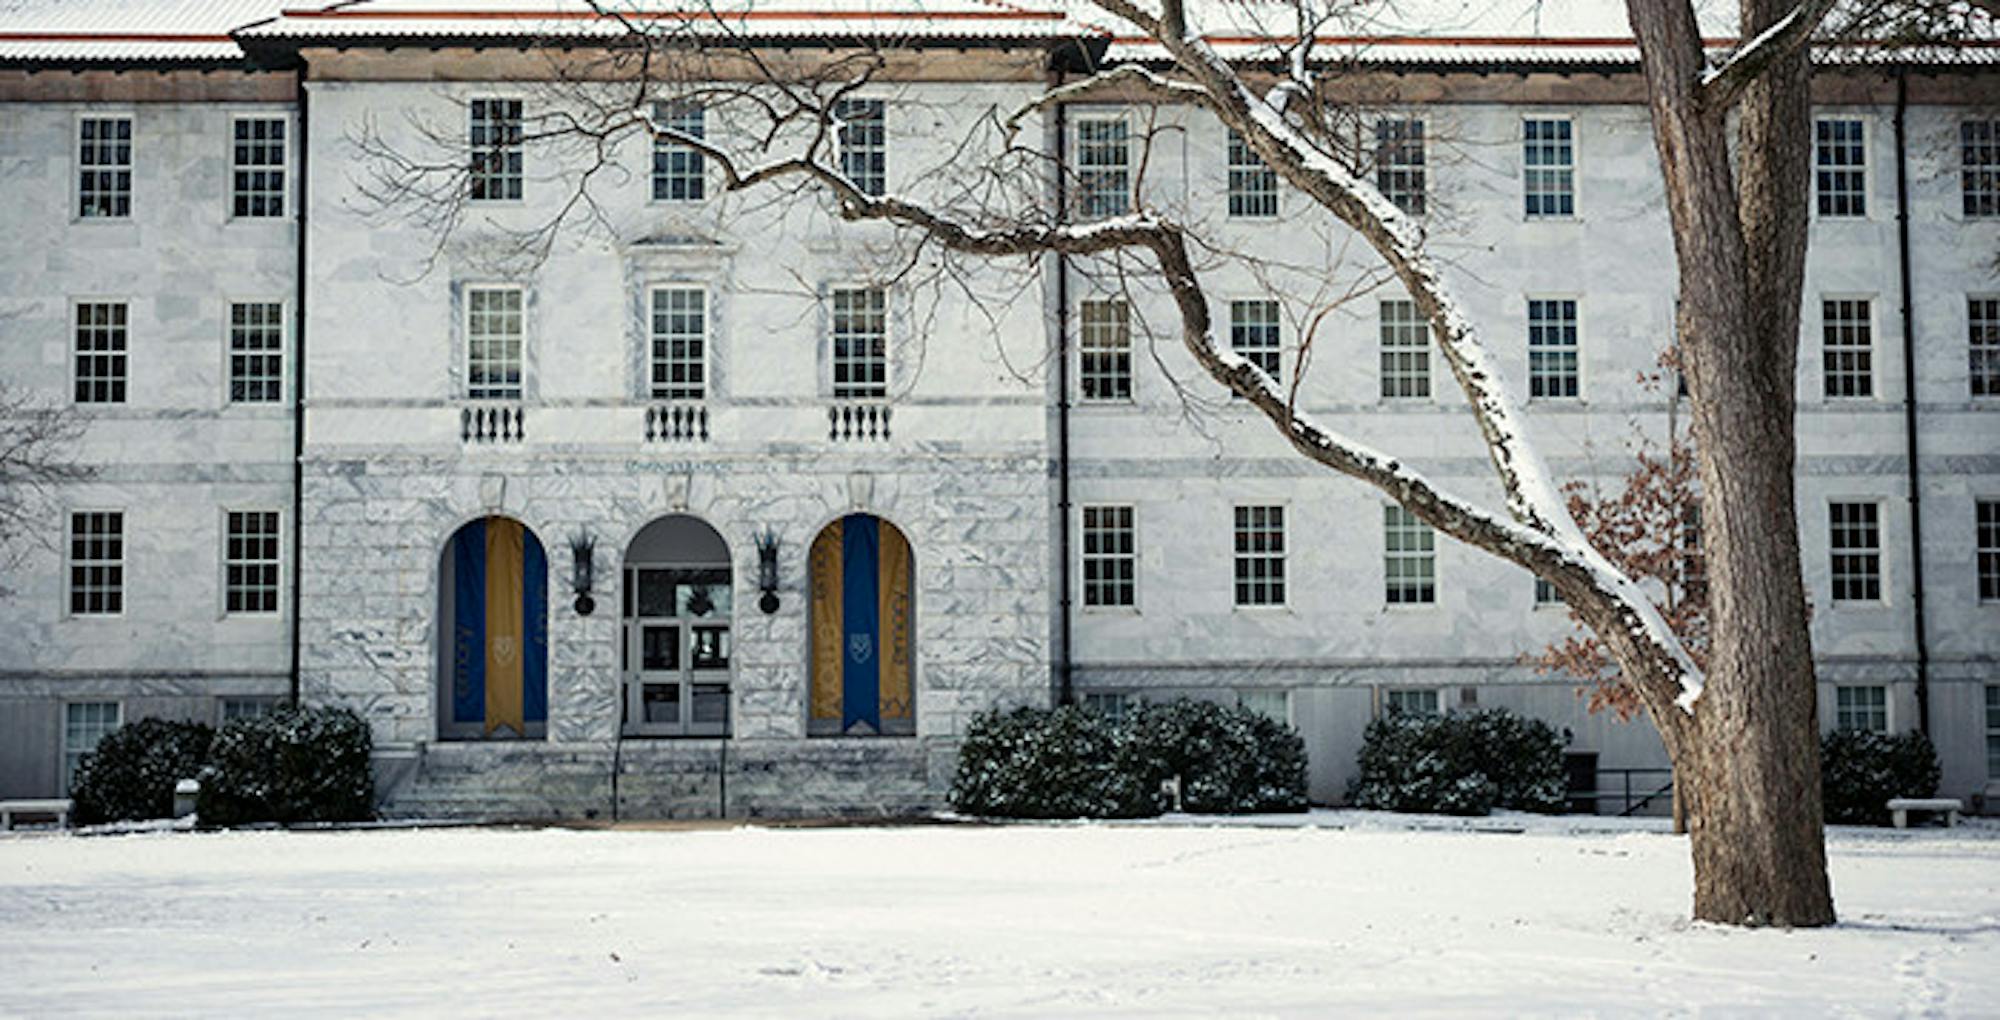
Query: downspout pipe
[[1910, 415], [1065, 662], [298, 354]]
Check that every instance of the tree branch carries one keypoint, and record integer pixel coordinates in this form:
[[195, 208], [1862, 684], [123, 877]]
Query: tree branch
[[1722, 86]]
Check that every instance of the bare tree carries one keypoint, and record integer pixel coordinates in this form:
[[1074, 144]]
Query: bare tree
[[37, 450]]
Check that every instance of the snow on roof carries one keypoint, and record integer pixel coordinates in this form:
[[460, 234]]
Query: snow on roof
[[129, 31]]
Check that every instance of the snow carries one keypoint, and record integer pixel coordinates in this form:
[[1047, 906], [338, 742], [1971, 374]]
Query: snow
[[1292, 916]]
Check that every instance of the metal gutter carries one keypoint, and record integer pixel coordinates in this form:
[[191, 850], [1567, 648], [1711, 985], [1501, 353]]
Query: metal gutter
[[1065, 664], [1910, 415], [298, 353]]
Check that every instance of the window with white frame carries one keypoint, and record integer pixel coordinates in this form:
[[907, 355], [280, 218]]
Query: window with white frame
[[1400, 165], [1993, 731], [1110, 557], [1546, 593], [1260, 556], [1847, 353], [100, 352], [233, 709], [84, 724], [1861, 707], [97, 563], [257, 167], [1273, 705], [1406, 351], [680, 174], [1253, 185], [1840, 166], [1103, 167], [1409, 559], [496, 140], [1986, 523], [864, 143], [104, 167], [1254, 333], [1104, 351], [1412, 701], [1548, 167], [1982, 328], [256, 352], [1552, 348], [250, 561], [1979, 167], [860, 343], [1112, 705], [494, 334], [679, 345], [1855, 539]]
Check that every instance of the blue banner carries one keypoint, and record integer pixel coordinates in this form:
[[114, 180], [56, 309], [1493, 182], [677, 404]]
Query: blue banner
[[535, 699], [861, 654], [468, 673]]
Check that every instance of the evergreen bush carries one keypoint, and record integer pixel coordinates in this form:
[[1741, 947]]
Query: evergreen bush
[[132, 773], [293, 765], [1860, 771], [1042, 763], [1460, 764], [1230, 760]]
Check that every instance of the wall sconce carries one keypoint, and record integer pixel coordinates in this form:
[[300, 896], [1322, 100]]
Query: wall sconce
[[767, 571], [582, 553]]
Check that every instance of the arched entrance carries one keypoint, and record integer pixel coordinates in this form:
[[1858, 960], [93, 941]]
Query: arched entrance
[[493, 626], [677, 607], [863, 623]]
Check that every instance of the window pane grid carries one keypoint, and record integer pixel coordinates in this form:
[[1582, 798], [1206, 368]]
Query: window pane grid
[[1253, 186], [1552, 349], [1993, 731], [84, 725], [1982, 317], [860, 344], [679, 172], [1847, 354], [1110, 557], [1549, 168], [1856, 541], [1409, 558], [104, 167], [1861, 708], [493, 331], [496, 143], [1546, 593], [1411, 702], [96, 563], [680, 344], [1254, 333], [1104, 167], [1979, 167], [100, 353], [864, 144], [1260, 555], [1406, 351], [1104, 351], [1399, 162], [1987, 520], [256, 353], [1840, 167], [257, 167], [250, 562]]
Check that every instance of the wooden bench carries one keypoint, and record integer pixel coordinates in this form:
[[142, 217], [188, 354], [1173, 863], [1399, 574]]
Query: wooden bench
[[1900, 808], [57, 806]]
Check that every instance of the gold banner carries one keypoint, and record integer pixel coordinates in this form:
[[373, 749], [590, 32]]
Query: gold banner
[[893, 594], [506, 631], [826, 580]]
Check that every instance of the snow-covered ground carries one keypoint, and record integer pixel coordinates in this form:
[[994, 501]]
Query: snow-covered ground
[[1380, 914]]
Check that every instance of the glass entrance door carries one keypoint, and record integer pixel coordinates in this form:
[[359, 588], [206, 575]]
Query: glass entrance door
[[677, 651]]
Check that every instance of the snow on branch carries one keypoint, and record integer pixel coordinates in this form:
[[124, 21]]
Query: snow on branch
[[1722, 86]]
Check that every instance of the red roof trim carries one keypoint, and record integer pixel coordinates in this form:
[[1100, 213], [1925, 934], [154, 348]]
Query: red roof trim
[[362, 14], [159, 37]]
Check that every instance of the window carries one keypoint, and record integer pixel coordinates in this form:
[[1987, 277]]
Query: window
[[1104, 351], [1260, 556], [864, 144], [496, 143], [1993, 731], [1110, 557], [104, 167], [1979, 167], [97, 563], [679, 172], [1548, 162], [1254, 333], [1546, 594], [1399, 162], [680, 343], [256, 353], [1253, 186], [1552, 349], [1104, 167], [1406, 351], [1982, 319], [1987, 523], [1855, 533], [1846, 354], [1273, 705], [1113, 706], [493, 333], [257, 167], [1861, 708], [250, 562], [247, 708], [100, 353], [860, 344], [1840, 166], [84, 724], [1409, 558], [1411, 702]]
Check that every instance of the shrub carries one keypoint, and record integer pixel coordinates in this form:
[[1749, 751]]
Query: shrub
[[1465, 764], [132, 773], [1231, 760], [1038, 763], [1861, 771], [293, 765]]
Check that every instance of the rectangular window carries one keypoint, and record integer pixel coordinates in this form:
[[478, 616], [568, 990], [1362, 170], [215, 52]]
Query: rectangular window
[[1255, 334], [1855, 536], [247, 708], [1273, 705], [250, 562], [100, 352], [1840, 166], [1979, 167], [1552, 349], [1993, 731], [1548, 161], [257, 167], [679, 172], [1113, 706], [1104, 351], [1253, 186], [494, 333], [680, 343], [864, 144], [1864, 707], [496, 144], [84, 724], [1110, 557], [1847, 351], [860, 344], [1412, 702], [1103, 167], [1260, 556], [1546, 594], [97, 563], [1409, 559], [1982, 322], [1986, 515], [256, 352], [1399, 162], [104, 167], [1406, 351]]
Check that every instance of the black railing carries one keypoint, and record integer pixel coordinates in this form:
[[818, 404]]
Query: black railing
[[1630, 791]]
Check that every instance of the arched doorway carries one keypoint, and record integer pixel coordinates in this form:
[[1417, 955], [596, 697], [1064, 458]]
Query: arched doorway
[[863, 624], [678, 604], [493, 616]]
